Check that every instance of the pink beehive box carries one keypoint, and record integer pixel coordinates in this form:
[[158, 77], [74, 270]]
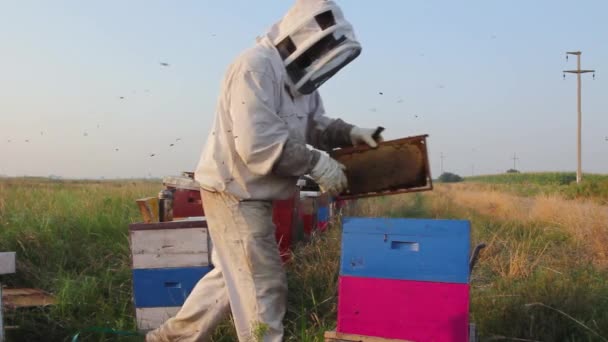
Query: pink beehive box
[[404, 309]]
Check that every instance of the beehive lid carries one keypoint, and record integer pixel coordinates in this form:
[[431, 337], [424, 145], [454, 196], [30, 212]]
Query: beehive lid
[[181, 182]]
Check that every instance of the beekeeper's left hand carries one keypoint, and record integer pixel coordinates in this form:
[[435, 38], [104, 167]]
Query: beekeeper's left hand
[[364, 135]]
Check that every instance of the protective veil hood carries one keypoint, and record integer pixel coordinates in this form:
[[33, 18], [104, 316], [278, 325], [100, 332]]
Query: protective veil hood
[[315, 41]]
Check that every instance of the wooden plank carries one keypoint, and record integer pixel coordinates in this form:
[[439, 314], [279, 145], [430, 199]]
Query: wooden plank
[[332, 336], [148, 207], [191, 222], [7, 262], [152, 318], [25, 298], [185, 247]]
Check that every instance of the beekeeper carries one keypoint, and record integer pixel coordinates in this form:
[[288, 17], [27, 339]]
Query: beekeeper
[[268, 111]]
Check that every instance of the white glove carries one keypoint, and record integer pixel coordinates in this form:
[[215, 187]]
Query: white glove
[[329, 174], [363, 135]]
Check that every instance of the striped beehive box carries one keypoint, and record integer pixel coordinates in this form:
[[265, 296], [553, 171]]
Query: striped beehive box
[[168, 259], [405, 279]]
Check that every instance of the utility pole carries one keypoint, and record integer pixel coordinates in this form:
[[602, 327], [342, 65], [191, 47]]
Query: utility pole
[[442, 158], [515, 159], [578, 72]]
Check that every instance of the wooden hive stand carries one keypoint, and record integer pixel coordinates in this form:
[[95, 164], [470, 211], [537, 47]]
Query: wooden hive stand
[[332, 336], [12, 299]]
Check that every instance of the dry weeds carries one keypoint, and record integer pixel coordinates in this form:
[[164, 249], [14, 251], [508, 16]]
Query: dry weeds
[[585, 221]]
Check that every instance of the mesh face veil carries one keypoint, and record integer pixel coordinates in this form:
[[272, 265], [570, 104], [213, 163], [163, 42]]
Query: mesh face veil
[[315, 41]]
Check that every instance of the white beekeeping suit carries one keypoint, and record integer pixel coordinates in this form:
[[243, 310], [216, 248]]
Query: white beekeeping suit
[[267, 113]]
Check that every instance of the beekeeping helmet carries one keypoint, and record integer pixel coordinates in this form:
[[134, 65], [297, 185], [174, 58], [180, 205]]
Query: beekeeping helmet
[[315, 41]]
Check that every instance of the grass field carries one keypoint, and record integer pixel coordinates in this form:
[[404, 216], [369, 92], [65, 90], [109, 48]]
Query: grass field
[[541, 278], [563, 183]]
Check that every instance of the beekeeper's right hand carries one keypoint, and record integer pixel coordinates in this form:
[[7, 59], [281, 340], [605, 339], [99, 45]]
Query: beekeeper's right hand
[[329, 174]]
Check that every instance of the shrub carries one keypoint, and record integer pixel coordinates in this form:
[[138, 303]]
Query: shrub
[[448, 177]]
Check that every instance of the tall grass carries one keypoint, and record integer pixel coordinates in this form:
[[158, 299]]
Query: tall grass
[[71, 239], [542, 276], [593, 186], [544, 267]]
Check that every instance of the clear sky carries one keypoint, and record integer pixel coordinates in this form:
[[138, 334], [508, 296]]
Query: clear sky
[[482, 78]]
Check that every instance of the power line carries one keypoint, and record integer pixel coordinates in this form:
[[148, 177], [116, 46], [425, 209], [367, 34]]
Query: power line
[[578, 72], [515, 159]]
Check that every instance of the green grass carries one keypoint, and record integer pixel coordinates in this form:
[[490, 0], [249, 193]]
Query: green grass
[[71, 239], [593, 186], [534, 281]]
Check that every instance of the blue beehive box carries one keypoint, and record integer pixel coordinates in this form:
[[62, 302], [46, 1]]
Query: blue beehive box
[[406, 249], [169, 258], [165, 287]]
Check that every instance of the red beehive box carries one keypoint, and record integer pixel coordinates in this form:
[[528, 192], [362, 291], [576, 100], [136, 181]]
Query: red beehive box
[[284, 215], [186, 196]]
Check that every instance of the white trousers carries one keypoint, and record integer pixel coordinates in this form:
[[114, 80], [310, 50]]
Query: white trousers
[[248, 277]]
